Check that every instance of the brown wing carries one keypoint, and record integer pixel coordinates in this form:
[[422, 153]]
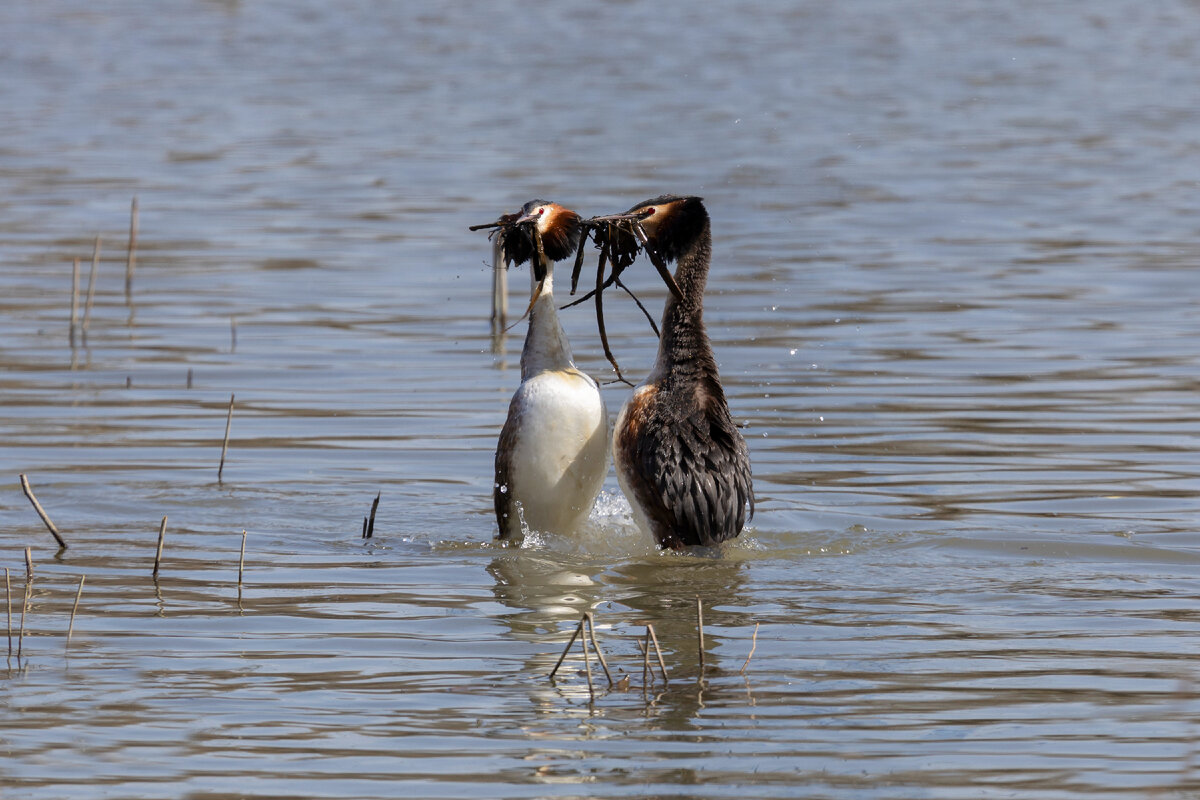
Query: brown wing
[[691, 472], [502, 494]]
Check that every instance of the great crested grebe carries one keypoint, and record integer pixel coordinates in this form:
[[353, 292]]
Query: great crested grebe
[[680, 460], [553, 450]]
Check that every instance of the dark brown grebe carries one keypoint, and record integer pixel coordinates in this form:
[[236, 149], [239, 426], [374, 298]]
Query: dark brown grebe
[[680, 460], [553, 450]]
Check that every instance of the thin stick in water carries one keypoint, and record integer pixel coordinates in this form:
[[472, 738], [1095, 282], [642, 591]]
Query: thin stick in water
[[225, 442], [74, 299], [91, 292], [21, 635], [28, 490], [587, 662], [499, 288], [8, 598], [131, 258], [162, 534], [661, 664], [645, 648], [25, 601], [700, 633], [74, 608], [567, 649], [369, 522], [591, 622], [242, 559], [753, 645]]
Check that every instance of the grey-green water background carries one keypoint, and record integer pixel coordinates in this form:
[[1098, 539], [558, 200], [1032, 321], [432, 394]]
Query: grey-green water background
[[954, 301]]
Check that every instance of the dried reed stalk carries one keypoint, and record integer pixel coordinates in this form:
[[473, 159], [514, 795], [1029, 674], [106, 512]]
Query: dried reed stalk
[[8, 599], [369, 522], [753, 645], [591, 623], [162, 534], [25, 487], [661, 664], [700, 634], [567, 649], [242, 560], [225, 441], [587, 665], [74, 608], [91, 292], [74, 300], [25, 601], [131, 257]]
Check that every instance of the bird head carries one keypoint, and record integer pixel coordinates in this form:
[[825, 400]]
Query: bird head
[[671, 222]]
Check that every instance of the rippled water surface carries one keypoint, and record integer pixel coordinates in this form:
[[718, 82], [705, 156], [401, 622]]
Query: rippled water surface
[[954, 300]]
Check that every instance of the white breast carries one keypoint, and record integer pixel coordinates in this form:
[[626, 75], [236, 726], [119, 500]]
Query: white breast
[[557, 437]]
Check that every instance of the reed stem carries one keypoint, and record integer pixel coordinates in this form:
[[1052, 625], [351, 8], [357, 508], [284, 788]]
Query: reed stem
[[242, 560], [91, 290], [225, 441], [131, 257], [661, 664], [162, 534], [567, 649], [74, 608], [591, 622], [753, 645], [369, 522], [28, 490], [8, 601], [25, 601], [74, 300], [587, 662]]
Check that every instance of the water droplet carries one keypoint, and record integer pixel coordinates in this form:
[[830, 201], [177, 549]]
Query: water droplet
[[792, 352]]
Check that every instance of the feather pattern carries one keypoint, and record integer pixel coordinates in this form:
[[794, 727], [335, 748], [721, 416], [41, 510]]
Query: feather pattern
[[552, 454], [680, 459]]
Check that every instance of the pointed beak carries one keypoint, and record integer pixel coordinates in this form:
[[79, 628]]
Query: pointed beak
[[506, 219]]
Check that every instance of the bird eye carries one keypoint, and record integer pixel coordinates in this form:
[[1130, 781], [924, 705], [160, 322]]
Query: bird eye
[[650, 211]]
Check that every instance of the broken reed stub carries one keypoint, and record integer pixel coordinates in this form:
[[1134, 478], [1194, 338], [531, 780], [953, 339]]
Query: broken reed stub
[[162, 532], [28, 490]]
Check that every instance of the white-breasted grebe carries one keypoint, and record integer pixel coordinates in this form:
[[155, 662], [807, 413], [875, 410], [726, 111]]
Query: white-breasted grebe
[[552, 456], [680, 459]]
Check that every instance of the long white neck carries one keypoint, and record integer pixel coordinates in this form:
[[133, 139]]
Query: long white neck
[[546, 345]]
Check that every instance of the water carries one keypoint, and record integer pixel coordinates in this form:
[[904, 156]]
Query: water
[[953, 302]]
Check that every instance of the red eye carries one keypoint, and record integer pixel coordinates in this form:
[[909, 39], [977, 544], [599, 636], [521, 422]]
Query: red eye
[[651, 211]]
